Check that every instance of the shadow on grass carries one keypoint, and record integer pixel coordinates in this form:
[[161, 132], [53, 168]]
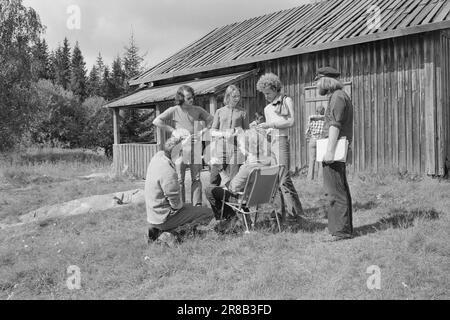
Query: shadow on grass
[[398, 218]]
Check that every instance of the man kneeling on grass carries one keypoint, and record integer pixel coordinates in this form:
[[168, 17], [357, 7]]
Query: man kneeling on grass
[[165, 209]]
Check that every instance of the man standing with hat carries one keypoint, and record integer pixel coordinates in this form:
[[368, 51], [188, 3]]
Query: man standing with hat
[[338, 124]]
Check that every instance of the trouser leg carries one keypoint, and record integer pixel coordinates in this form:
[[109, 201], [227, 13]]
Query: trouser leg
[[288, 197], [181, 171], [312, 158], [215, 197], [339, 202], [187, 214], [196, 188]]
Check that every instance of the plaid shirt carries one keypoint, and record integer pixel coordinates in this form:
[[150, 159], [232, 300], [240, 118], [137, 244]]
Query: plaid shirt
[[315, 129]]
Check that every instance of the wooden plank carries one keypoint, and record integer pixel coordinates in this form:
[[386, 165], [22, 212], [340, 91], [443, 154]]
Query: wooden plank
[[394, 104], [429, 5], [415, 101], [356, 108], [446, 84], [116, 125], [387, 68], [403, 13], [440, 152], [422, 106], [432, 13], [346, 28], [430, 106], [362, 149], [334, 20], [412, 15], [401, 105], [374, 102], [408, 94], [444, 11], [366, 120]]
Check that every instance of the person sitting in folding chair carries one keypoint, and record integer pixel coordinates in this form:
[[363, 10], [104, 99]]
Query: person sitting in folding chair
[[253, 145]]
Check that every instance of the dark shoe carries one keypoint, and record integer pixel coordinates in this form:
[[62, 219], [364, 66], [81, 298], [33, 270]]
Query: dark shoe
[[168, 239], [153, 234]]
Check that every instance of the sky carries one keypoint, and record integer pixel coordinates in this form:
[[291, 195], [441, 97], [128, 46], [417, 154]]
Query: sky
[[160, 28]]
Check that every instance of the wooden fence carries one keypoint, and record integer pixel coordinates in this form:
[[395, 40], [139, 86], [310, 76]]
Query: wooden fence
[[133, 158]]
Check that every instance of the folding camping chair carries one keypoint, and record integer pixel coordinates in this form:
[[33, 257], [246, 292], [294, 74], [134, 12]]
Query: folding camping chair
[[261, 187]]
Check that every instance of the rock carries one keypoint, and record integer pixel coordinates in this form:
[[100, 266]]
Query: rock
[[92, 204]]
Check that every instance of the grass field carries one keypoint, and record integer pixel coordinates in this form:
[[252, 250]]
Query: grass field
[[402, 224]]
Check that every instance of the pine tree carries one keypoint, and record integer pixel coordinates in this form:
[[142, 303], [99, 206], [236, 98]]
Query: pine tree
[[100, 65], [52, 66], [78, 73], [106, 88], [118, 82], [63, 65], [132, 60], [41, 60], [93, 83], [132, 124]]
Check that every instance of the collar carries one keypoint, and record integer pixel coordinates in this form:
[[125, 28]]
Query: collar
[[278, 100]]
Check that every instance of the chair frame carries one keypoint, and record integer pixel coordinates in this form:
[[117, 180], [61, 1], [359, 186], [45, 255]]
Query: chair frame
[[251, 187]]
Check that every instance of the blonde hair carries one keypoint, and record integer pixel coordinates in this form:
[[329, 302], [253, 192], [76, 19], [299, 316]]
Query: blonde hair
[[269, 81], [230, 90], [330, 84]]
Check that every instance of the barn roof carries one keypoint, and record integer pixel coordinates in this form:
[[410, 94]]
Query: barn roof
[[307, 28], [151, 96]]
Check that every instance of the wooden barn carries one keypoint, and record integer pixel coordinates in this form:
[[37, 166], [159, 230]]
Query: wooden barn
[[394, 57]]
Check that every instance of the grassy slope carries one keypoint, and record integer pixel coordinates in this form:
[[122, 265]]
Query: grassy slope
[[403, 226]]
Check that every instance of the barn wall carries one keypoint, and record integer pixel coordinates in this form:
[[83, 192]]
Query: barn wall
[[445, 71], [397, 95]]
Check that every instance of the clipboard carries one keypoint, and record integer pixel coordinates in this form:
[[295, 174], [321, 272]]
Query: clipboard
[[340, 154]]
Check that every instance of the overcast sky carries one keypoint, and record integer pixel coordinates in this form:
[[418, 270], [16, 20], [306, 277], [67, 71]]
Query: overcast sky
[[160, 28]]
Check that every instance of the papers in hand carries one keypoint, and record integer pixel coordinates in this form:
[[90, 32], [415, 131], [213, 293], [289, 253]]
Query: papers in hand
[[340, 154]]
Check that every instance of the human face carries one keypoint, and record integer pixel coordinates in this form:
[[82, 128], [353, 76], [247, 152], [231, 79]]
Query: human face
[[319, 84], [188, 99], [234, 99], [270, 94]]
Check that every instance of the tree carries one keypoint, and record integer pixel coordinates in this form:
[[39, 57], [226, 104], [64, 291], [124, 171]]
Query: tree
[[100, 65], [41, 60], [99, 131], [118, 82], [78, 73], [106, 86], [20, 31], [94, 82], [132, 60], [58, 117], [62, 66]]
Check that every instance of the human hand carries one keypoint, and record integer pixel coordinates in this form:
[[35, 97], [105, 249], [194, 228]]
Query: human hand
[[181, 133], [328, 157], [264, 125]]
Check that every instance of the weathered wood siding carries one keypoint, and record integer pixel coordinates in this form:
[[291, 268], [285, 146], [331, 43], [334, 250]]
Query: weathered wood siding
[[399, 113], [133, 158], [445, 71]]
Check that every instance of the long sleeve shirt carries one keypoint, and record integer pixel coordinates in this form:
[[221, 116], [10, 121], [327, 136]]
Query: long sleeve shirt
[[162, 191]]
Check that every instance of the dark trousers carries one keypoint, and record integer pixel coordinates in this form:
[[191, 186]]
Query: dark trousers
[[215, 196], [339, 200]]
